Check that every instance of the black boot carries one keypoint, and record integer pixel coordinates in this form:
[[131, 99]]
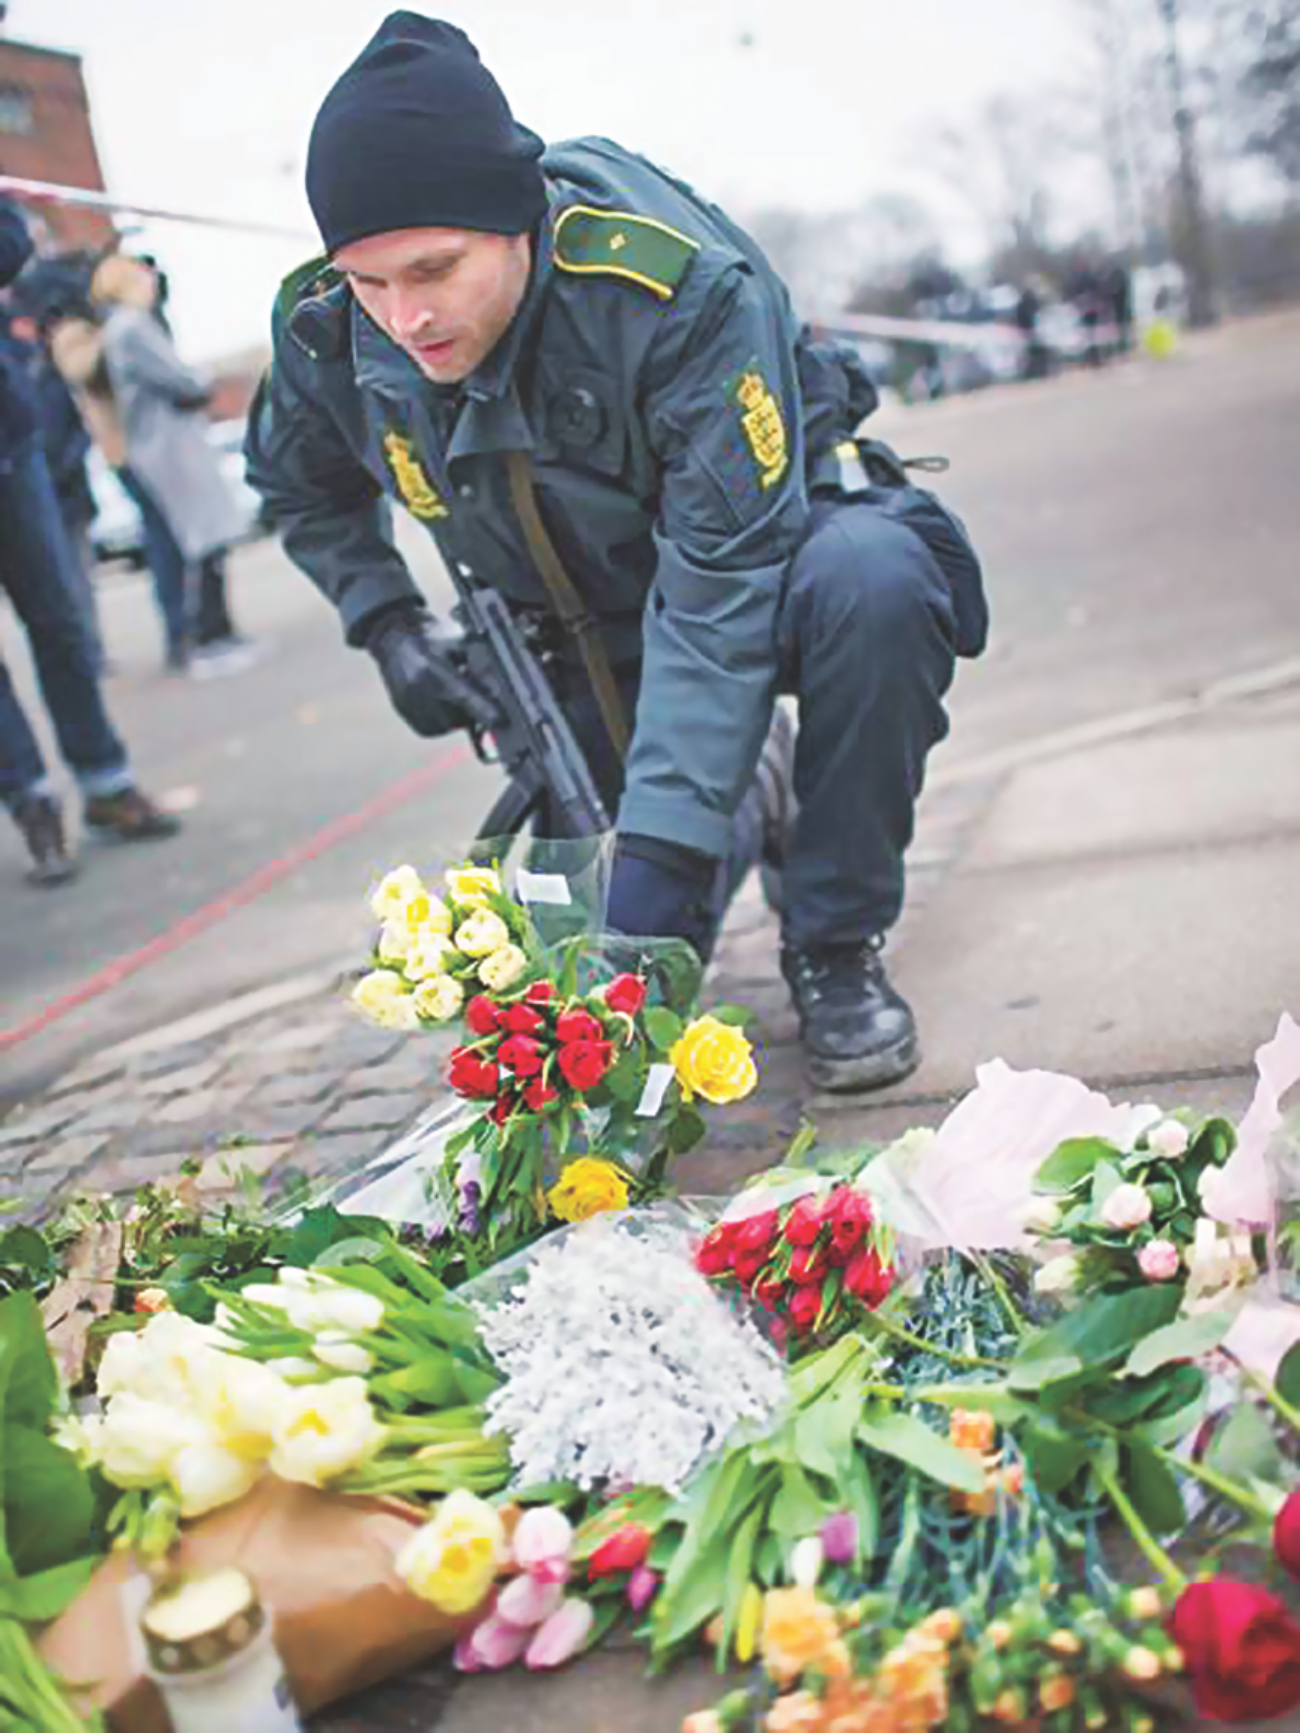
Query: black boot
[[41, 823], [775, 780], [127, 817], [857, 1032]]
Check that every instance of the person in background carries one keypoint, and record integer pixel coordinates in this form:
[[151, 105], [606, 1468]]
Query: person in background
[[37, 574], [171, 461]]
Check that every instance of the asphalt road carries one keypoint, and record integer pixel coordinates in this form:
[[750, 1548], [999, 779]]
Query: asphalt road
[[1139, 529]]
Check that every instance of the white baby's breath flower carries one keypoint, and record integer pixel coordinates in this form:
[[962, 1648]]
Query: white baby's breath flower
[[503, 968], [621, 1363]]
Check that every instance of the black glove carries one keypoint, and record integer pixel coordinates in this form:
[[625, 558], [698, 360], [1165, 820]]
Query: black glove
[[660, 890], [428, 688]]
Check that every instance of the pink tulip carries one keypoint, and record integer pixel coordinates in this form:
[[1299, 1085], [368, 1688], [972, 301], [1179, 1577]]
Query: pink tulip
[[561, 1637], [494, 1643], [528, 1601], [840, 1538], [463, 1657], [542, 1544], [641, 1586]]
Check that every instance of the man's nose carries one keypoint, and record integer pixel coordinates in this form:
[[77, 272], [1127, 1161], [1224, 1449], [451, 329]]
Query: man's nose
[[407, 312]]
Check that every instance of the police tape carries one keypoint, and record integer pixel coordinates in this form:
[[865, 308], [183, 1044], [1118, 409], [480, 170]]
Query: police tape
[[52, 193]]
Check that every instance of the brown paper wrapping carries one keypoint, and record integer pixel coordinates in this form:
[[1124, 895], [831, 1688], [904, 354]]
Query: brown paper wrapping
[[323, 1566]]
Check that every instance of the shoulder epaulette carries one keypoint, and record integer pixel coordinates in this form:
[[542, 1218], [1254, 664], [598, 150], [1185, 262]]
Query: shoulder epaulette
[[621, 244], [306, 282]]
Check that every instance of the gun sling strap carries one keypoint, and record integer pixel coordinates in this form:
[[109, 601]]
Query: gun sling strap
[[567, 601]]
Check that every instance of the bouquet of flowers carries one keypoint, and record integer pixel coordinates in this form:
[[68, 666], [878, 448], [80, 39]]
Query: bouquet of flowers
[[568, 1071], [1138, 1214], [814, 1264]]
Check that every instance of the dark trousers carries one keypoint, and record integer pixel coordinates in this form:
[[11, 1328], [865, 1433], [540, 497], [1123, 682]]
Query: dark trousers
[[867, 644], [207, 619], [36, 572]]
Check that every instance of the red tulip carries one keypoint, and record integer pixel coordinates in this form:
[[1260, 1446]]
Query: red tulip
[[805, 1304], [469, 1074], [851, 1222], [756, 1233], [522, 1020], [804, 1222], [626, 994], [623, 1551], [540, 993], [483, 1015], [866, 1278], [1286, 1534], [538, 1095], [770, 1292], [1241, 1648], [713, 1254], [578, 1025], [584, 1063], [808, 1264], [522, 1055], [504, 1105], [747, 1265]]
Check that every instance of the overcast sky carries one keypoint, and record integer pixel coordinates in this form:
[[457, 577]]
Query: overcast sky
[[809, 103]]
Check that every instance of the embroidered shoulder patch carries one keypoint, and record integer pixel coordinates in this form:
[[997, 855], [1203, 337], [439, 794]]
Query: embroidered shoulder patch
[[762, 425], [422, 498], [620, 244]]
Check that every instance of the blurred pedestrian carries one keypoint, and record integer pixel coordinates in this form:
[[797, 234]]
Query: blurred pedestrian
[[1035, 357], [168, 453], [1119, 292], [36, 571], [1087, 295]]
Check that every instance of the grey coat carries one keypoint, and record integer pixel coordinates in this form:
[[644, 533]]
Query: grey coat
[[159, 400]]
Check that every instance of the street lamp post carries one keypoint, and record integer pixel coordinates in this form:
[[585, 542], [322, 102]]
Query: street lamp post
[[1193, 228]]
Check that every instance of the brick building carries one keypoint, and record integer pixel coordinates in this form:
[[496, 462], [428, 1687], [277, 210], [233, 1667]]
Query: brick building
[[46, 135]]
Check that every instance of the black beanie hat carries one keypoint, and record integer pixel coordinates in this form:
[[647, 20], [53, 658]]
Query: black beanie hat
[[417, 134]]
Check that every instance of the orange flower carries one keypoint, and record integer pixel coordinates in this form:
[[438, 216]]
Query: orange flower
[[153, 1300], [799, 1713], [1055, 1692], [800, 1631], [971, 1429]]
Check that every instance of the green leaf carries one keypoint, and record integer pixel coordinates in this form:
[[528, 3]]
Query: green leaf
[[24, 1247], [908, 1438], [684, 1130], [626, 1081], [49, 1501], [1184, 1339], [1071, 1162], [1092, 1336], [798, 1508], [740, 1566], [34, 1600], [353, 1251], [1153, 1487], [736, 1015], [1106, 1178], [1287, 1381], [662, 1026], [1246, 1448], [1213, 1143], [1054, 1456]]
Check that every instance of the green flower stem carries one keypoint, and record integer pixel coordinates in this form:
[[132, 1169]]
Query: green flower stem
[[1143, 1539], [1018, 1323], [1278, 1404], [1220, 1483], [902, 1334]]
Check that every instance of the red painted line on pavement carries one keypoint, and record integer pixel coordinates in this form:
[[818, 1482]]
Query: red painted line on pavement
[[190, 926]]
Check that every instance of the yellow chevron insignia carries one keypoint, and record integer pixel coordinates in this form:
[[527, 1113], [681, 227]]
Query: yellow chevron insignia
[[642, 250]]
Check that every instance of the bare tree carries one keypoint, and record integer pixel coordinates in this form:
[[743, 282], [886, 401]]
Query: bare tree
[[1001, 162], [1192, 230]]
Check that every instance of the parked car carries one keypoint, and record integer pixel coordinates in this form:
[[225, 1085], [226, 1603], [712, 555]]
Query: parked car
[[117, 532]]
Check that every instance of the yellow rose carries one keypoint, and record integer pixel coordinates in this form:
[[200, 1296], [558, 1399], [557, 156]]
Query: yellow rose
[[382, 997], [453, 1560], [440, 997], [471, 886], [482, 933], [714, 1060], [503, 968], [429, 954], [394, 892], [587, 1188]]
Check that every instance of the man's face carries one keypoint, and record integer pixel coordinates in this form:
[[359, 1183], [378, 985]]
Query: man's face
[[445, 296]]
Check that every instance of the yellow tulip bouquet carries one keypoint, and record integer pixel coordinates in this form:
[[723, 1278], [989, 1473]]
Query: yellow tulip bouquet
[[585, 1072]]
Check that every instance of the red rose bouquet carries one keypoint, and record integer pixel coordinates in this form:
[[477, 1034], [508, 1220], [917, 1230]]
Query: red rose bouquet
[[814, 1264]]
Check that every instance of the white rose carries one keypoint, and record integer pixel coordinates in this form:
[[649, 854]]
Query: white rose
[[503, 968], [382, 997], [481, 933], [335, 1349], [394, 892], [1057, 1275], [430, 954], [324, 1430], [1128, 1206], [470, 886], [439, 998], [1169, 1138], [206, 1475], [394, 942]]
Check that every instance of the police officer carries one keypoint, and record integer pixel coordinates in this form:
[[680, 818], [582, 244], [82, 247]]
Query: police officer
[[684, 448]]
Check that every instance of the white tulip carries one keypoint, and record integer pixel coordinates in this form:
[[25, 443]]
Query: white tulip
[[335, 1349], [240, 1400], [482, 933], [806, 1562], [140, 1439], [394, 942], [323, 1430], [206, 1475], [503, 968], [394, 892], [429, 956], [440, 997], [293, 1366], [266, 1294], [1057, 1275]]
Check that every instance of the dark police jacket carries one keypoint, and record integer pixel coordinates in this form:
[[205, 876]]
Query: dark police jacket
[[676, 420], [17, 409]]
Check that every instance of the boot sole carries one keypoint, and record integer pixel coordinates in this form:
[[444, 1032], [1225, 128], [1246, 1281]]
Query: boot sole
[[864, 1072]]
